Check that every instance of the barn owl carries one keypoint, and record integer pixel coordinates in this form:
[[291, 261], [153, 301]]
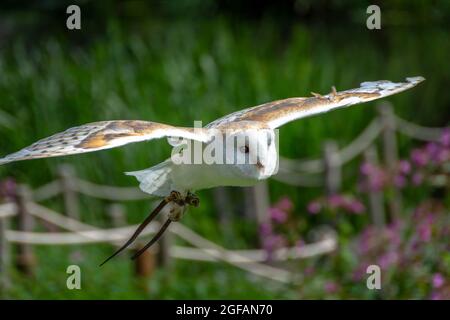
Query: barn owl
[[247, 148]]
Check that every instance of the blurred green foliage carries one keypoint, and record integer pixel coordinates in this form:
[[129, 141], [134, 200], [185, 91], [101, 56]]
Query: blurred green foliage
[[132, 61]]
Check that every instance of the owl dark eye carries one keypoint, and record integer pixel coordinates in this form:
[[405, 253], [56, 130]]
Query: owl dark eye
[[245, 149]]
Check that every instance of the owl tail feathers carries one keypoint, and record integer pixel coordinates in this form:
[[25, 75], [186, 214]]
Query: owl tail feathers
[[155, 180]]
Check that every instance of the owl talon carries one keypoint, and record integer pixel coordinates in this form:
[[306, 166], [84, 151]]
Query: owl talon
[[176, 197], [192, 200]]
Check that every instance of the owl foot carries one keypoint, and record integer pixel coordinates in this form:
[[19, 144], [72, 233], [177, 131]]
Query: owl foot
[[192, 200], [176, 197]]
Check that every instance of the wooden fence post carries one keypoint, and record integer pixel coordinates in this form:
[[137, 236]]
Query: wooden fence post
[[375, 197], [4, 257], [165, 242], [25, 260], [261, 202], [390, 153], [146, 262], [67, 178], [249, 209], [117, 214], [257, 203], [332, 168], [158, 255], [144, 265], [223, 205]]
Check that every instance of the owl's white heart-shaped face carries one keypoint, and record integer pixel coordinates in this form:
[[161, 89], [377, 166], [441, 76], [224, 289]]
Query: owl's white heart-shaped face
[[252, 153]]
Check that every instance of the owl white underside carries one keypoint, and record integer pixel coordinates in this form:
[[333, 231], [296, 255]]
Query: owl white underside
[[167, 176]]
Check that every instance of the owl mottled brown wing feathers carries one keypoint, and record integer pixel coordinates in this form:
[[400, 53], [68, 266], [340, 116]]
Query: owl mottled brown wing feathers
[[109, 134], [280, 112], [102, 135]]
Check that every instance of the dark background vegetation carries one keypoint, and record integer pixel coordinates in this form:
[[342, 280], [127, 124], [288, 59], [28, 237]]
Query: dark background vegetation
[[176, 61]]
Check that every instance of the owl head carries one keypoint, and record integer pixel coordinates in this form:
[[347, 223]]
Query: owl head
[[251, 152]]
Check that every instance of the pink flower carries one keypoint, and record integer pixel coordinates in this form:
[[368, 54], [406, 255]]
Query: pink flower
[[393, 231], [395, 238], [360, 271], [419, 157], [415, 245], [432, 149], [278, 215], [417, 178], [424, 231], [285, 204], [388, 259], [366, 168], [404, 167], [314, 207], [336, 200], [445, 137], [375, 177], [442, 156], [265, 229], [8, 189], [331, 287], [376, 180], [356, 206], [436, 296], [365, 240], [273, 242], [399, 181], [438, 280], [395, 225]]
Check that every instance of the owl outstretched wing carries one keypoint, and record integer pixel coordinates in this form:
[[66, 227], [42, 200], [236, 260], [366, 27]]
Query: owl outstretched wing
[[103, 135], [110, 134], [280, 112]]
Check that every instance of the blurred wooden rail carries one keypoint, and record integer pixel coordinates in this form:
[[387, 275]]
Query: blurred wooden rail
[[325, 173], [204, 250]]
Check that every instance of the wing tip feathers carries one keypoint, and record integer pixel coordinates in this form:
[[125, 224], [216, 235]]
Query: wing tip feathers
[[415, 80]]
